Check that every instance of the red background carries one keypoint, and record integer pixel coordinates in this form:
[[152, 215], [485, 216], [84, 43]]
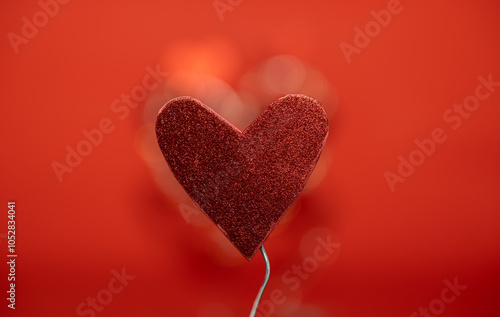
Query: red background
[[109, 213]]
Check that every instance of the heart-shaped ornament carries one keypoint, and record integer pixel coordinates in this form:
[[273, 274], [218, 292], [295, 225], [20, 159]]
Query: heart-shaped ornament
[[243, 181]]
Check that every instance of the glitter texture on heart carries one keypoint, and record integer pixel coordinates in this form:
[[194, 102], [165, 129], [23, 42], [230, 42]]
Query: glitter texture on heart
[[243, 181]]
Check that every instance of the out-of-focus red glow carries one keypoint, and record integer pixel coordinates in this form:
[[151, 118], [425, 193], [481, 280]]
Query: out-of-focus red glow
[[120, 208]]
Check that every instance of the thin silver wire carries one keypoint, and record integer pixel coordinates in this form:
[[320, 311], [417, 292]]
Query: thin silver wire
[[264, 284]]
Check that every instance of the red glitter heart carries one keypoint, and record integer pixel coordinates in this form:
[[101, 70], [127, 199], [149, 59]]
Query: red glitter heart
[[243, 181]]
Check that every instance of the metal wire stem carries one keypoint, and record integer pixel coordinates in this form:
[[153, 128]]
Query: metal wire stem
[[264, 284]]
